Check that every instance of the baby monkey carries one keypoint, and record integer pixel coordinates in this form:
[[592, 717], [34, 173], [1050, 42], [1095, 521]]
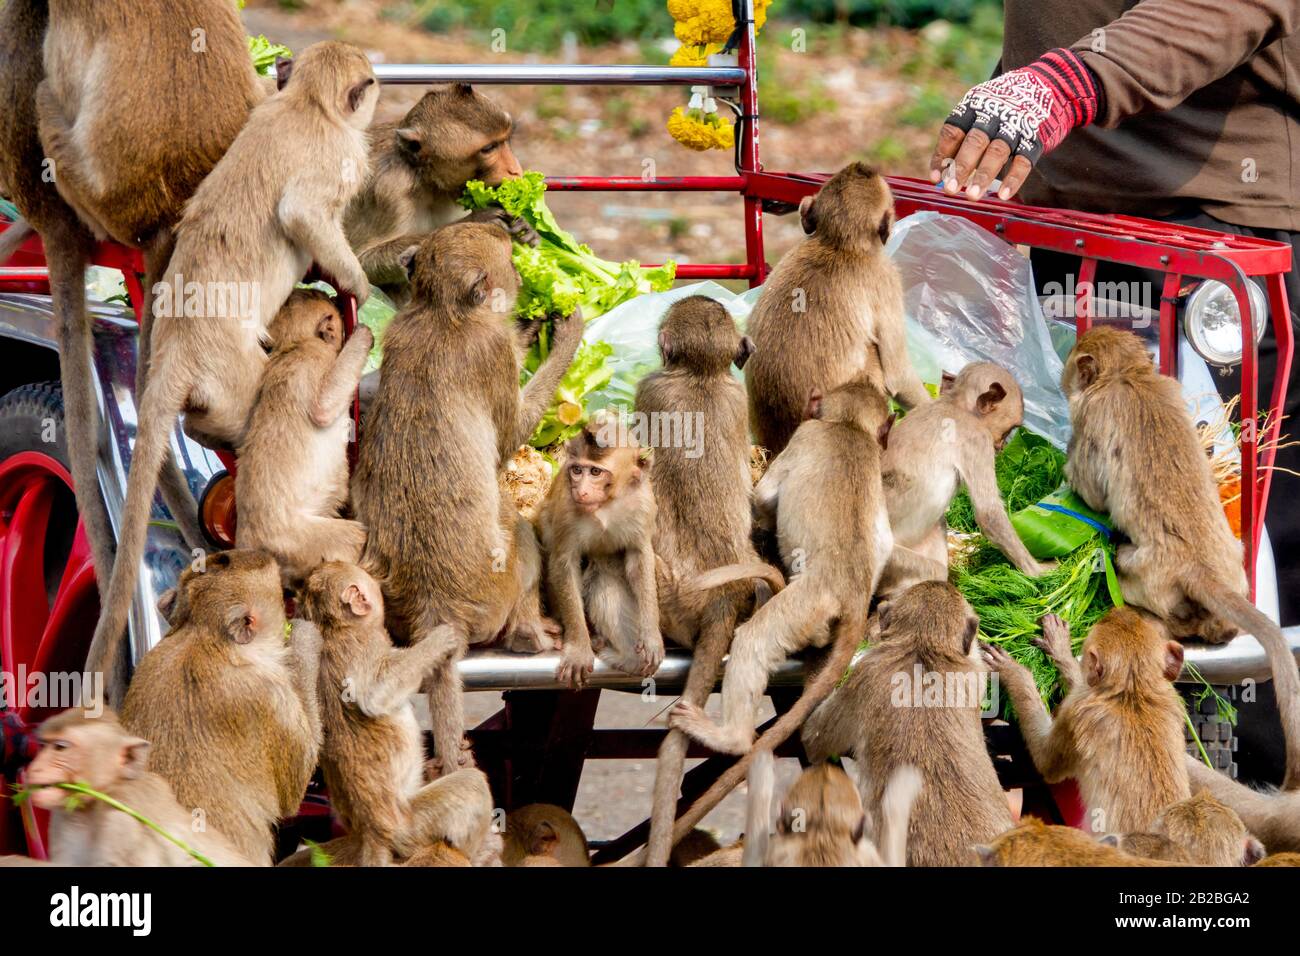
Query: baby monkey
[[1198, 830], [1121, 714], [822, 821], [934, 450], [373, 754], [596, 528], [293, 467]]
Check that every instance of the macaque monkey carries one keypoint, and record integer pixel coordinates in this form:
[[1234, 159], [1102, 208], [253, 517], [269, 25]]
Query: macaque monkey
[[541, 834], [83, 166], [822, 822], [345, 851], [418, 170], [883, 719], [823, 496], [832, 307], [702, 519], [934, 450], [1271, 815], [1280, 859], [271, 207], [1121, 713], [1134, 454], [458, 564], [596, 528], [1034, 843], [1198, 830], [98, 752], [228, 700], [373, 752], [293, 462]]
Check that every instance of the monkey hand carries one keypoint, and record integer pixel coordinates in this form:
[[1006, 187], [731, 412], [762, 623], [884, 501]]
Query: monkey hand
[[577, 662], [354, 283], [1039, 568], [567, 329], [1012, 120], [650, 652], [997, 659], [517, 226], [1056, 637]]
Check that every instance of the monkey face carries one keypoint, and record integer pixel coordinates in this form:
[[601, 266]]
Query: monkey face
[[589, 484], [456, 134], [80, 749]]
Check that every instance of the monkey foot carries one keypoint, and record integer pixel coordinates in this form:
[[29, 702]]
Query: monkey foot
[[696, 724], [533, 636], [649, 657], [576, 665]]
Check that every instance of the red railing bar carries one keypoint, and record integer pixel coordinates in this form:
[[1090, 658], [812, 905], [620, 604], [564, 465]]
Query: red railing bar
[[732, 184], [704, 270]]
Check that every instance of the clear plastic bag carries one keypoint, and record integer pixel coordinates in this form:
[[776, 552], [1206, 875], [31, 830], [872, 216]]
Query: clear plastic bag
[[969, 297]]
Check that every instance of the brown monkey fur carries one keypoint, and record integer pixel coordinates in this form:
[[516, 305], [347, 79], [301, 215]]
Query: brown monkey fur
[[98, 752], [291, 170], [120, 176], [1271, 815], [596, 528], [373, 751], [934, 450], [228, 700], [832, 306], [1034, 843], [822, 822], [834, 536], [542, 834], [1280, 859], [444, 539], [293, 465], [418, 170], [1197, 830], [1121, 712], [928, 628], [1134, 454], [703, 517]]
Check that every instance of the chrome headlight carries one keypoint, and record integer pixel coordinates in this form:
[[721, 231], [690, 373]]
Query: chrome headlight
[[1212, 321]]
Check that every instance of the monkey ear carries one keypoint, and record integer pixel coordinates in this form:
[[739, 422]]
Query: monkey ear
[[328, 329], [407, 260], [1252, 852], [1173, 660], [745, 350], [884, 611], [545, 840], [283, 70], [860, 830], [1109, 839], [985, 854], [1092, 666], [166, 603], [134, 757], [409, 140], [808, 214], [886, 224], [356, 600], [358, 93], [990, 399], [945, 382], [665, 348], [814, 407], [241, 624], [968, 637], [1087, 368], [882, 433], [478, 290]]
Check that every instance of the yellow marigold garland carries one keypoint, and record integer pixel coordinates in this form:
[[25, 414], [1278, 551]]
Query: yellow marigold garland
[[702, 27]]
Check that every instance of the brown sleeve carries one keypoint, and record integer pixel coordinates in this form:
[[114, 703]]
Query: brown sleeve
[[1161, 51]]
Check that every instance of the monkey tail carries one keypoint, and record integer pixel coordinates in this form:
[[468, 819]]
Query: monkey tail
[[896, 814], [758, 812], [67, 253], [1220, 598], [18, 232], [847, 634], [717, 577], [161, 403]]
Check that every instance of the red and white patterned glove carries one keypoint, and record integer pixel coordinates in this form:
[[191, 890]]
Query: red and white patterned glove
[[1014, 119]]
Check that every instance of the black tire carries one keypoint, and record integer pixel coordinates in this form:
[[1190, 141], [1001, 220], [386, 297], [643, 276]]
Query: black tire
[[1218, 736], [31, 419]]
